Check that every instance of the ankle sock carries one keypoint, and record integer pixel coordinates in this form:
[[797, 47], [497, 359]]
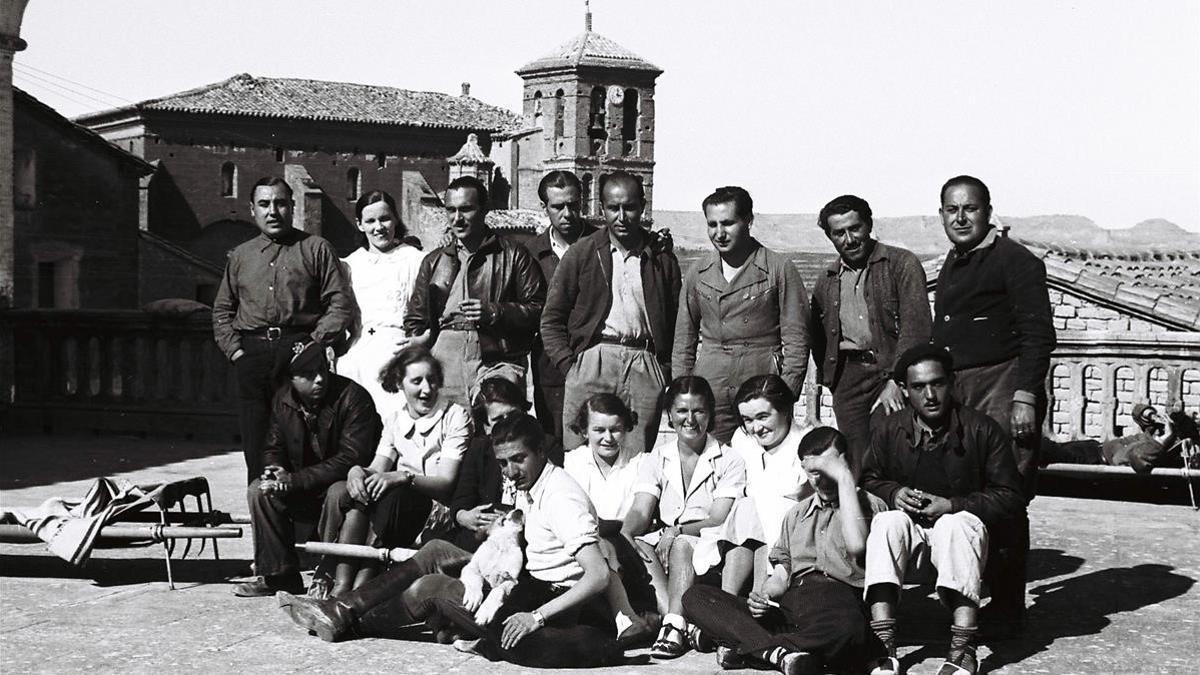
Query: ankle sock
[[885, 630], [771, 655], [622, 622], [676, 621], [962, 643]]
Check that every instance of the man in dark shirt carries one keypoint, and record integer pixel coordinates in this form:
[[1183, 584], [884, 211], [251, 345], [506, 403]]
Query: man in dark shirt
[[869, 307], [992, 313], [949, 473], [562, 197], [279, 286], [321, 425], [476, 301], [809, 612]]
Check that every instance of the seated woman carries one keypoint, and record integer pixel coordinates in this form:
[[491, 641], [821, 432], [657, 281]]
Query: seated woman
[[686, 485], [766, 442], [481, 492], [607, 469], [402, 494]]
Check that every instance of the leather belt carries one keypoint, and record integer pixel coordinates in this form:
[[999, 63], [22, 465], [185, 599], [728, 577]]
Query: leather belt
[[273, 333], [858, 355], [645, 344]]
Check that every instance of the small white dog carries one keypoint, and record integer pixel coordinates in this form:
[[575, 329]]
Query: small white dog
[[495, 565]]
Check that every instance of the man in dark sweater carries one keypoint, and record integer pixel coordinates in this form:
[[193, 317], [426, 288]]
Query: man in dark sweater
[[562, 198], [948, 472], [992, 313]]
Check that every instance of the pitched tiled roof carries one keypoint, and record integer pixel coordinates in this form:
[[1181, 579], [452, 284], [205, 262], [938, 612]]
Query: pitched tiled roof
[[332, 101], [1160, 284], [589, 48], [24, 98]]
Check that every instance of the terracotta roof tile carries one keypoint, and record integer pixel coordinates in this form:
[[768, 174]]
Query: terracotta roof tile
[[334, 101], [589, 48]]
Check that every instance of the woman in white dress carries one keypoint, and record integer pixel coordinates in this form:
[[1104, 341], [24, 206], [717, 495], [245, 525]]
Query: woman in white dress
[[382, 275], [767, 443]]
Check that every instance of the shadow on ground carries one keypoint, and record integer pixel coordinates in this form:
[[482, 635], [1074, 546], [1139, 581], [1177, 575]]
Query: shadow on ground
[[33, 460], [1077, 606], [111, 572]]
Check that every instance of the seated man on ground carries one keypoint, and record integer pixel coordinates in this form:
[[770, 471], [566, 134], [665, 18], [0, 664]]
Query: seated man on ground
[[950, 474], [556, 616], [321, 425], [809, 612]]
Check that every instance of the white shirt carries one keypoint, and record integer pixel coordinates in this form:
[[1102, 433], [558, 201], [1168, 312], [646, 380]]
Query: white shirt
[[383, 283], [559, 521], [775, 481], [729, 271], [422, 443], [611, 495], [719, 473]]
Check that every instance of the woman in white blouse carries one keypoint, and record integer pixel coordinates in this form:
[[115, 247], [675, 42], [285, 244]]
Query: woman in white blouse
[[767, 442], [382, 275], [403, 494], [687, 484]]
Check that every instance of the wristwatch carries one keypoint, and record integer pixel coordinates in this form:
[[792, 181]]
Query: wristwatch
[[538, 618]]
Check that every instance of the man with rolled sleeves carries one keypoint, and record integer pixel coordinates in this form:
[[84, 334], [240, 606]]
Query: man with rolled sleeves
[[609, 320], [869, 306], [282, 285], [743, 311], [562, 198]]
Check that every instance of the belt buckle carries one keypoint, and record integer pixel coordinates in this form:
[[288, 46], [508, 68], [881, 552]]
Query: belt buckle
[[274, 333]]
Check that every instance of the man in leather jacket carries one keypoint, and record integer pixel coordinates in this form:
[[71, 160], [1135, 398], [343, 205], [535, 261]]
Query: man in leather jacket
[[949, 474], [321, 425], [477, 300]]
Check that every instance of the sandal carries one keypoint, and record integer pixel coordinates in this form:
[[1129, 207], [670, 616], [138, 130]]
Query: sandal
[[671, 643]]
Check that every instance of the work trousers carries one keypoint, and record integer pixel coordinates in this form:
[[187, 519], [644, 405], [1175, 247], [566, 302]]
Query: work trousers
[[630, 373], [273, 519], [255, 373], [379, 604], [819, 615], [956, 546], [580, 637], [726, 367], [989, 389], [856, 389]]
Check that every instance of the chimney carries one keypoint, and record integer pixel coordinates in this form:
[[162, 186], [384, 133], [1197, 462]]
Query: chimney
[[587, 15], [466, 88]]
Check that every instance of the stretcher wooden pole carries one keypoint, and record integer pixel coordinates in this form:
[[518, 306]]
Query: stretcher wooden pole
[[358, 551], [18, 534]]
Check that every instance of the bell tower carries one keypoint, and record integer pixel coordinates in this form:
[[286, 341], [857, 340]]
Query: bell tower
[[592, 101]]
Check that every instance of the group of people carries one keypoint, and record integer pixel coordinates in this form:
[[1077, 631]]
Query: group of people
[[383, 401]]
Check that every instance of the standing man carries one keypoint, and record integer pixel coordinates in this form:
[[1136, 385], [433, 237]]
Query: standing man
[[992, 313], [869, 307], [279, 286], [476, 300], [321, 425], [948, 472], [610, 314], [561, 195], [747, 306]]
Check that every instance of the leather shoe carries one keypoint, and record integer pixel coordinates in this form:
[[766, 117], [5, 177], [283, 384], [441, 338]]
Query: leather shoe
[[329, 619], [261, 587]]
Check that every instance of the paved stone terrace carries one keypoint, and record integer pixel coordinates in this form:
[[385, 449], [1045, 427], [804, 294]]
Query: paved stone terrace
[[1112, 589]]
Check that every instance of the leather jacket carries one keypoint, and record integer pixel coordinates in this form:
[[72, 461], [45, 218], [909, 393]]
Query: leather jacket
[[978, 461], [501, 272], [346, 428]]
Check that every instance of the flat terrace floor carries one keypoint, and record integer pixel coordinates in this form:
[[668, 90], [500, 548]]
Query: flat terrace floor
[[1112, 589]]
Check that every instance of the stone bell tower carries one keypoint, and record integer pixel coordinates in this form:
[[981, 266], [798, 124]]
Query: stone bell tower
[[593, 101]]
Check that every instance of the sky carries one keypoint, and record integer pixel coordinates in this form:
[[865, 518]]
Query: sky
[[1089, 107]]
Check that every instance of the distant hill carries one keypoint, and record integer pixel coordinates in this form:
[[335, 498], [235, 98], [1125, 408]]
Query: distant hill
[[798, 232]]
